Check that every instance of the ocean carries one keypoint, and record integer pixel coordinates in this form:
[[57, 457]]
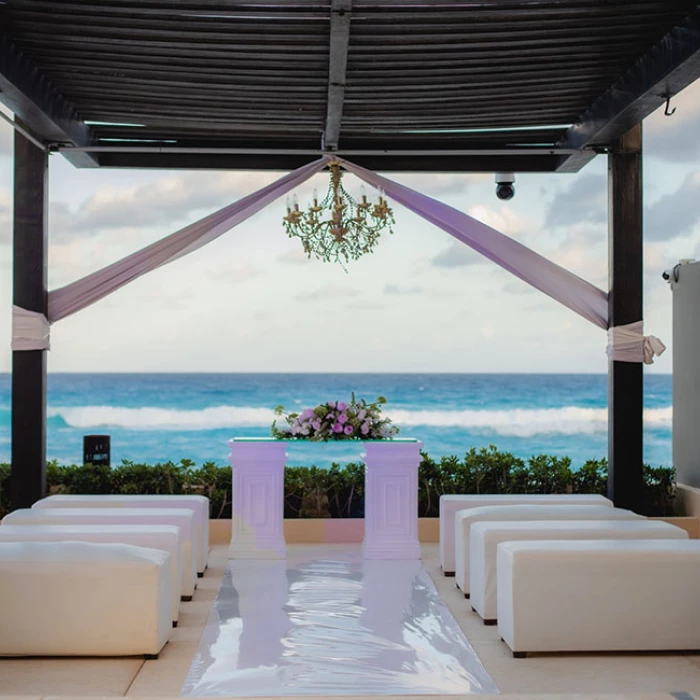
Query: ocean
[[158, 417]]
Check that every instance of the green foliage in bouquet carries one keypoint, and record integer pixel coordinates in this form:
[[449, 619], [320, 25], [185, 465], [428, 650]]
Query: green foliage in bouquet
[[335, 420]]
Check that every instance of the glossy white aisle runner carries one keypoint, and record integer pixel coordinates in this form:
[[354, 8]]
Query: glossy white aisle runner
[[326, 622]]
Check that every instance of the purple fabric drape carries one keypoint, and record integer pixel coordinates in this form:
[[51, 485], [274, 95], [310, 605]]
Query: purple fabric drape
[[83, 292], [560, 284]]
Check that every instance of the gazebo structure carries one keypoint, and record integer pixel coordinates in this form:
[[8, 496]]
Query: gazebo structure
[[393, 85]]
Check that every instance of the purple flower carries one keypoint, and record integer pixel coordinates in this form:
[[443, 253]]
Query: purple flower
[[341, 406], [337, 428], [342, 418], [361, 415], [306, 414], [365, 428], [331, 404], [317, 425], [348, 429]]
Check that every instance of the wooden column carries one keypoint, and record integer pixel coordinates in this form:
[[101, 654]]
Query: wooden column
[[625, 379], [28, 475]]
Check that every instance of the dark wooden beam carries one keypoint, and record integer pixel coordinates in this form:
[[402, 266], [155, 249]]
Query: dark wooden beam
[[669, 67], [383, 163], [625, 379], [30, 243], [32, 98], [337, 66]]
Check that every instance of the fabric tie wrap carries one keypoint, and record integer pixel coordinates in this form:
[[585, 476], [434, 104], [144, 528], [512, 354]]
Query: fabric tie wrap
[[30, 330], [628, 343]]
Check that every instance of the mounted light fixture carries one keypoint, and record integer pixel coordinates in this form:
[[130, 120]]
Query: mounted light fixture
[[338, 229]]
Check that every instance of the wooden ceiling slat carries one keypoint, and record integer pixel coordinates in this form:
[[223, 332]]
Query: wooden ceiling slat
[[398, 44], [415, 94], [28, 15], [372, 12], [377, 58], [194, 28], [172, 44], [211, 36], [76, 62], [361, 68], [65, 69], [143, 84], [156, 115]]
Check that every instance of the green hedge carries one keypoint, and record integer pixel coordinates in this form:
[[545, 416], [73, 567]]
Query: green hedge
[[338, 492]]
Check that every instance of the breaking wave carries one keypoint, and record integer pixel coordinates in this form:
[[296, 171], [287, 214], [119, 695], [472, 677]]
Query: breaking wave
[[520, 422]]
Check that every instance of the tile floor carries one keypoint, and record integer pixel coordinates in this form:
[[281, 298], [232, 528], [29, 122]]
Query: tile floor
[[556, 677]]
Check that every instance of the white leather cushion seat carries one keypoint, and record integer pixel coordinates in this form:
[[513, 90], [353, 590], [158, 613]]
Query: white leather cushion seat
[[486, 536], [165, 537], [180, 517], [199, 505], [599, 595], [465, 518], [83, 599], [450, 504]]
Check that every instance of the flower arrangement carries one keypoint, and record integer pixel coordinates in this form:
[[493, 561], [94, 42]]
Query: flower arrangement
[[335, 420]]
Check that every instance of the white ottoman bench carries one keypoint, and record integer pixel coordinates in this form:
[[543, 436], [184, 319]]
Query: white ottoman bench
[[486, 536], [602, 595], [83, 599], [199, 505], [465, 518], [450, 504], [165, 537], [180, 517]]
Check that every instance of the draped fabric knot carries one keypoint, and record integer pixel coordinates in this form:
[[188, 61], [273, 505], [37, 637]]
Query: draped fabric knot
[[628, 343], [30, 330]]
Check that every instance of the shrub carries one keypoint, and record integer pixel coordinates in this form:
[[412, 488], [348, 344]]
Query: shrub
[[338, 492]]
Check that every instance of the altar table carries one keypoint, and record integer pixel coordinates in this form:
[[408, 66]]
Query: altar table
[[391, 498]]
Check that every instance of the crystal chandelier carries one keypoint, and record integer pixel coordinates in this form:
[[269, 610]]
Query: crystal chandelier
[[338, 229]]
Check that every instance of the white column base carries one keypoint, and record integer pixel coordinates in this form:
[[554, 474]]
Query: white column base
[[257, 528], [391, 500]]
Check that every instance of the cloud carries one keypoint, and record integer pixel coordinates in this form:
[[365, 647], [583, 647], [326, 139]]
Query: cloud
[[328, 291], [518, 287], [674, 139], [294, 256], [231, 271], [675, 214], [172, 199], [397, 289], [504, 220], [436, 184], [586, 200], [457, 255]]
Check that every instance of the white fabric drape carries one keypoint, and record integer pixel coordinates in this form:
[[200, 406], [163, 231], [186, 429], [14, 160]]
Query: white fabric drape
[[560, 284], [77, 295], [30, 330], [628, 343]]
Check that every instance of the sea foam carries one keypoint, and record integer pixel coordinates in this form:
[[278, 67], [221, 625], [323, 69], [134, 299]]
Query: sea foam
[[519, 422]]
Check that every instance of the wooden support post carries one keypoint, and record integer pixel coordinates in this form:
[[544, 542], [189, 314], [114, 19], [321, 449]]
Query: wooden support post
[[28, 474], [625, 379]]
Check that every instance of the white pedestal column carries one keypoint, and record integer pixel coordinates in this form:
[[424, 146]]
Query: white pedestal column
[[391, 500], [258, 499]]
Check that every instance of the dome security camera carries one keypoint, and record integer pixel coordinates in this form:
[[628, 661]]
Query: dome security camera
[[505, 185]]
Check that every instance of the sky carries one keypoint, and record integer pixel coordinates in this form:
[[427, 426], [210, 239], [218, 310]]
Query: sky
[[422, 302]]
